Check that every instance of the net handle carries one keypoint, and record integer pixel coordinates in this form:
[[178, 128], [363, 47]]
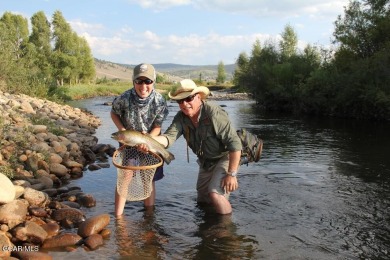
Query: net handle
[[146, 167]]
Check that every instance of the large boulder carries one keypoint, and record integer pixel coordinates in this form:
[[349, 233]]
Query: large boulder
[[93, 225], [13, 213], [7, 190]]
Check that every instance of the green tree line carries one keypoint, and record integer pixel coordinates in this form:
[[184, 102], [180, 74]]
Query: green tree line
[[51, 55], [350, 79]]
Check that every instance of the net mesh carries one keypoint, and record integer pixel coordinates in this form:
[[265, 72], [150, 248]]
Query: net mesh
[[135, 172]]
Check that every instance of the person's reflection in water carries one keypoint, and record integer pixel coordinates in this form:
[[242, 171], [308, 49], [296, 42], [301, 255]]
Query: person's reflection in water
[[140, 239], [219, 239]]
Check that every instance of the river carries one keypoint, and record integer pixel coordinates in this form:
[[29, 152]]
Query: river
[[320, 191]]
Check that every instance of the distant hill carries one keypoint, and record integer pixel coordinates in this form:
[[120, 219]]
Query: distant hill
[[173, 72]]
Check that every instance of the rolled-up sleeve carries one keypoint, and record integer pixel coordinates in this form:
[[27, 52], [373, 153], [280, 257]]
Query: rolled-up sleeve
[[225, 131], [175, 130]]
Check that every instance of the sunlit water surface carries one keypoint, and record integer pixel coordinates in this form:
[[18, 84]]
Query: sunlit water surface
[[320, 191]]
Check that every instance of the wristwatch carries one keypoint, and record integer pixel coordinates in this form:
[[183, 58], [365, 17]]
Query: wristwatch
[[233, 173]]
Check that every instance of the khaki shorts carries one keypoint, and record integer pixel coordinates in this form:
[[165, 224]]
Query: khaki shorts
[[210, 180]]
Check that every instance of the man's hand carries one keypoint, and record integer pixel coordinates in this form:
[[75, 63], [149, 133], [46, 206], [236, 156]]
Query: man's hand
[[229, 183]]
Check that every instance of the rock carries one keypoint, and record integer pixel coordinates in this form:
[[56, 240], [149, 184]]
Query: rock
[[30, 232], [86, 200], [19, 191], [43, 166], [71, 204], [50, 192], [88, 154], [38, 186], [46, 181], [93, 241], [13, 213], [68, 214], [7, 189], [93, 225], [37, 211], [32, 255], [5, 244], [103, 165], [106, 233], [62, 240], [55, 158], [51, 229], [71, 164], [22, 183], [35, 197], [58, 170], [94, 167], [40, 146], [26, 107], [36, 129]]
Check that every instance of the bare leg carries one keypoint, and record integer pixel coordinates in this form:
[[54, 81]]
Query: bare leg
[[120, 196], [149, 202], [119, 203], [221, 204]]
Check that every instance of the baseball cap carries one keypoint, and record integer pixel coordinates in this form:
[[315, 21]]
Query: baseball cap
[[144, 70]]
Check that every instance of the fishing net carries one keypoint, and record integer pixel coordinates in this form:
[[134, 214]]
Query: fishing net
[[135, 171]]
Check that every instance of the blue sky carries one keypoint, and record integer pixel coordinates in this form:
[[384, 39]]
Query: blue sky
[[192, 32]]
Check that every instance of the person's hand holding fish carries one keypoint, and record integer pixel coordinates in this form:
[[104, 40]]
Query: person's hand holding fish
[[144, 142]]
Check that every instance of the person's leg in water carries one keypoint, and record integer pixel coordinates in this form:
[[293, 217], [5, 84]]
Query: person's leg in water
[[209, 187], [159, 174]]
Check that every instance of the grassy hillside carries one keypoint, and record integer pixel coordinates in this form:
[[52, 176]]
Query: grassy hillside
[[173, 72]]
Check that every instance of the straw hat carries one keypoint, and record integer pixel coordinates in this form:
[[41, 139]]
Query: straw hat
[[187, 88]]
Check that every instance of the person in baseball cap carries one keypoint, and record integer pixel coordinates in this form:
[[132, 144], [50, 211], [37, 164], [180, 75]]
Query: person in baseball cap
[[142, 109]]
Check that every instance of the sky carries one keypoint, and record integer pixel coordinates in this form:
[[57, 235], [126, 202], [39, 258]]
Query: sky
[[189, 32]]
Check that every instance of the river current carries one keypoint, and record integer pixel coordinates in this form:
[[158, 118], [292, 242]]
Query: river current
[[320, 191]]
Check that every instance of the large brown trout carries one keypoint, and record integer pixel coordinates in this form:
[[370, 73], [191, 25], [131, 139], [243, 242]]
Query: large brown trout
[[133, 138]]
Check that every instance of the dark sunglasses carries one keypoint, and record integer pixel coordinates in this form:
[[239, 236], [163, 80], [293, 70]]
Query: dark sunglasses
[[187, 99], [141, 81]]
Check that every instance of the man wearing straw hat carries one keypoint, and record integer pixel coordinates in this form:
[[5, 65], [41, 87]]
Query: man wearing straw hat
[[143, 109], [211, 136]]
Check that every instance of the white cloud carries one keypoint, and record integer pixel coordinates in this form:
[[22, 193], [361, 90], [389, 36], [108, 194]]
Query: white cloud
[[189, 49], [130, 46], [108, 46], [159, 5], [258, 8], [80, 27]]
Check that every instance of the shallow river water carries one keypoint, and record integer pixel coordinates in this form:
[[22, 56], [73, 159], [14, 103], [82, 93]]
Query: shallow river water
[[320, 191]]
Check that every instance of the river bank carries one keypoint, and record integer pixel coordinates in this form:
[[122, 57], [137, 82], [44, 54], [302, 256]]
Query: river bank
[[44, 145]]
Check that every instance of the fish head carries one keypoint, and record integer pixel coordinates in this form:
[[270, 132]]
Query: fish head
[[118, 136]]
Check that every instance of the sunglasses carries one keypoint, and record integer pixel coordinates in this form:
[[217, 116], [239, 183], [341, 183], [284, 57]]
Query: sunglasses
[[141, 81], [187, 99]]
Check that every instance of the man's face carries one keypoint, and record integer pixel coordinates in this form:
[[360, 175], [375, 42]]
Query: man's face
[[190, 105]]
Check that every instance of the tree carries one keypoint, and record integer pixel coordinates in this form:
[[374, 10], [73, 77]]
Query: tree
[[86, 60], [40, 38], [221, 77], [13, 41], [240, 71], [16, 32], [364, 28], [65, 42], [288, 44]]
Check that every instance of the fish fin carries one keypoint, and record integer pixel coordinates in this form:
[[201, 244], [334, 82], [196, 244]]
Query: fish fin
[[169, 158]]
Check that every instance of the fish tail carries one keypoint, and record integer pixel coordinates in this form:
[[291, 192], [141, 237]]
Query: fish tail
[[168, 157]]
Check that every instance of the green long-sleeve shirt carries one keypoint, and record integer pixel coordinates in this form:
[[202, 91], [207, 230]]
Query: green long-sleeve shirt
[[213, 138]]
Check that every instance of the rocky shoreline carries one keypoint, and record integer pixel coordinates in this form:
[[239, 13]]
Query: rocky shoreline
[[218, 95], [43, 146]]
